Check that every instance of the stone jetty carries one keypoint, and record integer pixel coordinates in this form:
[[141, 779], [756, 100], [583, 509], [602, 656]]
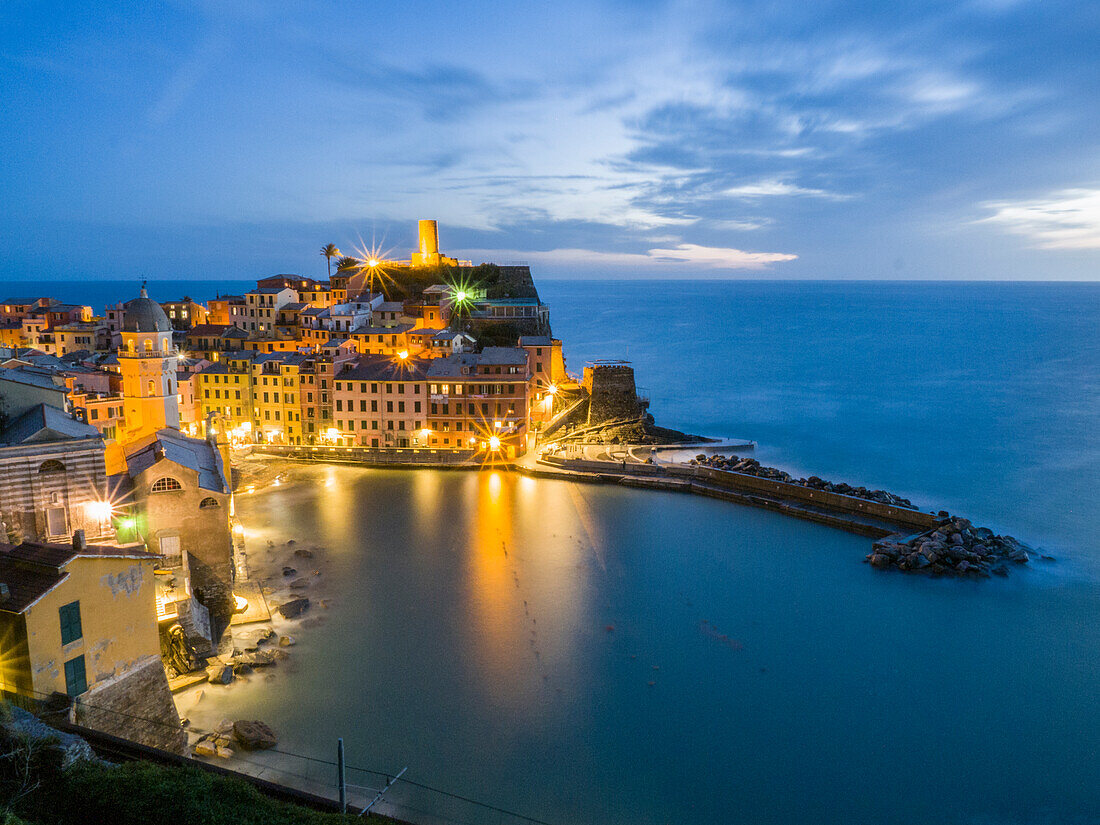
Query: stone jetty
[[752, 467], [954, 548]]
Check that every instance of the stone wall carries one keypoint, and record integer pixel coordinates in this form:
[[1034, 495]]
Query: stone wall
[[808, 495], [135, 705], [612, 394]]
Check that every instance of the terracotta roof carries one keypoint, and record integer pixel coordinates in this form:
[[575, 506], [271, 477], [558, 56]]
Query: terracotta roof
[[30, 570]]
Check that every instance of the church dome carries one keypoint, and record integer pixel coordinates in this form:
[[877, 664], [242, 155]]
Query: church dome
[[144, 315]]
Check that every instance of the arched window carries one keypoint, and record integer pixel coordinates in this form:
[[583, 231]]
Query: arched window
[[208, 502], [130, 345], [148, 345], [164, 345], [51, 466], [165, 485], [152, 387]]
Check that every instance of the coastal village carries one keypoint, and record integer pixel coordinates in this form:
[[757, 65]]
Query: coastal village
[[122, 567], [125, 578]]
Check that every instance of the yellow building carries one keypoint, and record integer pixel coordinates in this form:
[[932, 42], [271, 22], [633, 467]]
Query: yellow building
[[276, 398], [225, 388], [147, 361], [80, 620], [76, 337], [73, 615]]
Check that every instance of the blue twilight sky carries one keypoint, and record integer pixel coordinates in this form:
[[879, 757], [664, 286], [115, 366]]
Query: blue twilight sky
[[801, 139]]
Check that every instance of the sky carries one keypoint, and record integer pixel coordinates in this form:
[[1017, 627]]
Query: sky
[[642, 139]]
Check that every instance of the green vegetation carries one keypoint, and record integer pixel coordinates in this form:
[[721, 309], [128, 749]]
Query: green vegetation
[[405, 282], [35, 789], [140, 793], [329, 251]]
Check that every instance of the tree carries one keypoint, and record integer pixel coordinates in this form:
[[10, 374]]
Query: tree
[[348, 262], [329, 251]]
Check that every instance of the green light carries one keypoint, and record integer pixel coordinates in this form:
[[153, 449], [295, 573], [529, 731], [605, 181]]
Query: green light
[[460, 295], [127, 523]]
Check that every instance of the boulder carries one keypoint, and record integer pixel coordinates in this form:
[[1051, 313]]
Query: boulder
[[260, 658], [219, 673], [205, 748], [303, 553], [289, 571], [286, 641], [294, 608], [254, 735]]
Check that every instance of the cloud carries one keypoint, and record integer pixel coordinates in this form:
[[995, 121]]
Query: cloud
[[774, 187], [680, 255], [1069, 219]]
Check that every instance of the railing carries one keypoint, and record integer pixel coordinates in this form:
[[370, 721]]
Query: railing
[[149, 353], [372, 455]]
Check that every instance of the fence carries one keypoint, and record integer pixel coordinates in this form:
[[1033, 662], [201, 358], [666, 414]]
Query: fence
[[383, 456], [304, 779]]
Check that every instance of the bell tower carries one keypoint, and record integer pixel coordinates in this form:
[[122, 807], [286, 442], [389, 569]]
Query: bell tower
[[147, 360]]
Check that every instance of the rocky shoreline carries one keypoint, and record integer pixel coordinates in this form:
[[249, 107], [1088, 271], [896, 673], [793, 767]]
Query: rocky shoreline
[[954, 548], [285, 572], [752, 467]]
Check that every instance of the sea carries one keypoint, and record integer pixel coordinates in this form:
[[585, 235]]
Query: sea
[[590, 654]]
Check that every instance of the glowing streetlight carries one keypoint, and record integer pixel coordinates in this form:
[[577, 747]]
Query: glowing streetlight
[[403, 354], [98, 510], [333, 434], [372, 263], [425, 433], [461, 296], [552, 389], [494, 442], [127, 524]]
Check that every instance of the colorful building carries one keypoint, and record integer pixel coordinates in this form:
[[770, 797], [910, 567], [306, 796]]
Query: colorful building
[[382, 402]]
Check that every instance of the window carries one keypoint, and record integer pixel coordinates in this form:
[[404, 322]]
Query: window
[[51, 466], [165, 485], [70, 622], [76, 678], [208, 502]]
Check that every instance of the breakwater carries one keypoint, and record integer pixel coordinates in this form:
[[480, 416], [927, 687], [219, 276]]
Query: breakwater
[[942, 545]]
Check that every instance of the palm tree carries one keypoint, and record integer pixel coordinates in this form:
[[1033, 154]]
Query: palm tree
[[330, 251]]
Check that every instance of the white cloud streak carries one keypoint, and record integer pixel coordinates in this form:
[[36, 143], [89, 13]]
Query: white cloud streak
[[775, 187], [1068, 219], [684, 254]]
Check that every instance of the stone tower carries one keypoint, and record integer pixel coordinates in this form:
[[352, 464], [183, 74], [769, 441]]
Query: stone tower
[[147, 360], [428, 254]]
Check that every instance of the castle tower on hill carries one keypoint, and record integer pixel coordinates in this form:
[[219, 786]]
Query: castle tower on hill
[[147, 360], [429, 244]]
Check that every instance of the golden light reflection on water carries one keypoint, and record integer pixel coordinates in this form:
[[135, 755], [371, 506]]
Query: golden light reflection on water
[[527, 593]]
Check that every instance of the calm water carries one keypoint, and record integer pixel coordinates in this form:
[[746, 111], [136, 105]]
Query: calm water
[[791, 683]]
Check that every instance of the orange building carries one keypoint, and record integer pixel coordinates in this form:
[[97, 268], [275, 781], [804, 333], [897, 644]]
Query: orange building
[[382, 402]]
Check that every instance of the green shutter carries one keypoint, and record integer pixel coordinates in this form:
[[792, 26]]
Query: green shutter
[[76, 678], [70, 622]]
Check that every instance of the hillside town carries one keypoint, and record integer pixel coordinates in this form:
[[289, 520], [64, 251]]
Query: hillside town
[[119, 559]]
